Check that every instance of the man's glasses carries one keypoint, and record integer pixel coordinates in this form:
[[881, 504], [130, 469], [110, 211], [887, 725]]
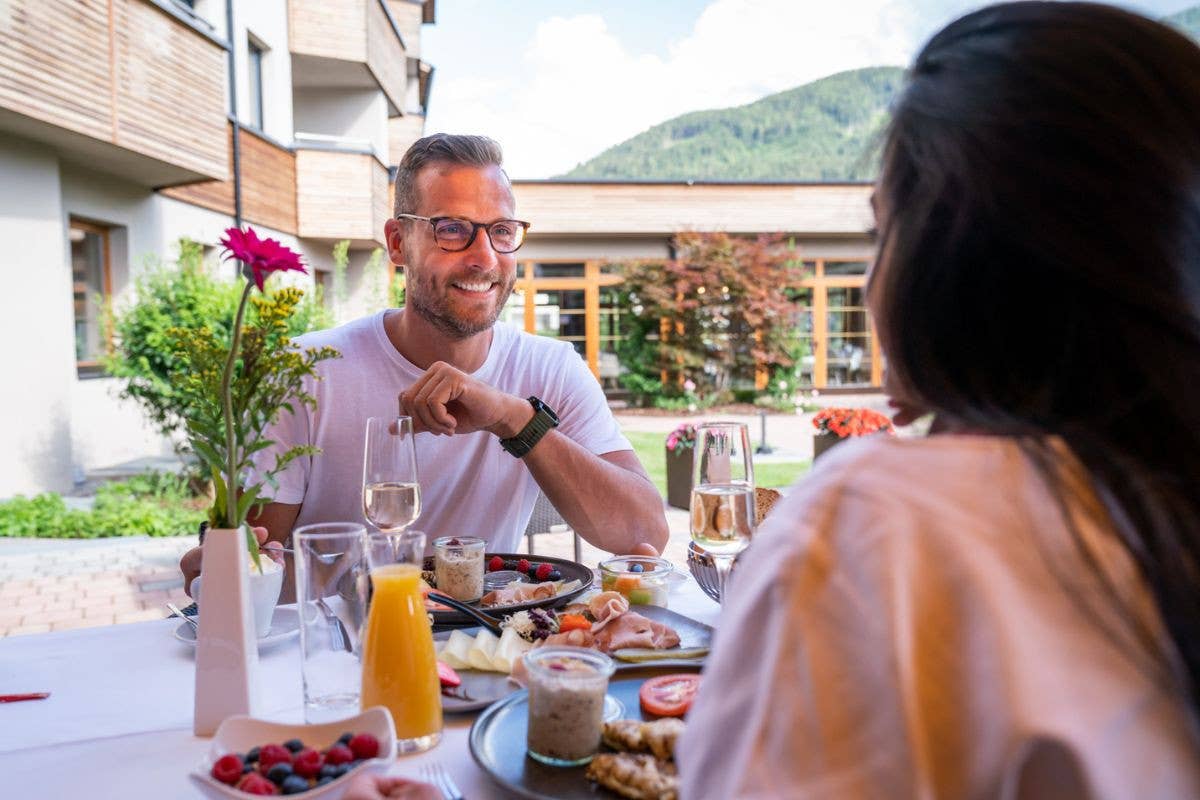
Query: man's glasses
[[453, 234]]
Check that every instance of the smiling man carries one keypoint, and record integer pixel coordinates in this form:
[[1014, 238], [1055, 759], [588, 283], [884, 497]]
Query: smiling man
[[499, 412]]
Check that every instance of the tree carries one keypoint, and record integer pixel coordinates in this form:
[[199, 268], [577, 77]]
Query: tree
[[714, 315]]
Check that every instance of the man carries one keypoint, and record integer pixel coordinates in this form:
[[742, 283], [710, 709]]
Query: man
[[483, 397]]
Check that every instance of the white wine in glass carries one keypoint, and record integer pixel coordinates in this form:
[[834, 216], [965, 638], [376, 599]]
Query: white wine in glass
[[722, 513], [391, 491]]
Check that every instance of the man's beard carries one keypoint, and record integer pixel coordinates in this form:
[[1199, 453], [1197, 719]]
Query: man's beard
[[435, 309]]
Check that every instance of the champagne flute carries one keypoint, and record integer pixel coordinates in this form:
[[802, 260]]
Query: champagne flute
[[391, 493], [722, 513]]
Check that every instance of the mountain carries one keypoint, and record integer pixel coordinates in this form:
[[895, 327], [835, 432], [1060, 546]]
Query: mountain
[[1187, 21], [822, 131]]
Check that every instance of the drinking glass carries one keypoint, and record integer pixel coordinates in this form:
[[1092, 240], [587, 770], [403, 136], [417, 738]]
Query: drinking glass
[[722, 514], [331, 597], [391, 493], [399, 668]]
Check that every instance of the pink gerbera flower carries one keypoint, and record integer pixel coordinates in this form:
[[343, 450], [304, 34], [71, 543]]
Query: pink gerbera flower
[[263, 256]]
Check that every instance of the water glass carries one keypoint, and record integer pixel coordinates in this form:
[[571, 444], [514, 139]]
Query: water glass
[[722, 512], [331, 597]]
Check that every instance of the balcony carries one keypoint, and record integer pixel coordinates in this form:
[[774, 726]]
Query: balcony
[[125, 86], [341, 192], [348, 44]]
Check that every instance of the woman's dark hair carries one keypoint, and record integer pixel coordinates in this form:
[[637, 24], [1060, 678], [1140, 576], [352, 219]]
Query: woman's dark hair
[[1039, 268]]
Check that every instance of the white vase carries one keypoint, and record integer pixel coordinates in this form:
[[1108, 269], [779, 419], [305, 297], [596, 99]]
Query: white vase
[[226, 647]]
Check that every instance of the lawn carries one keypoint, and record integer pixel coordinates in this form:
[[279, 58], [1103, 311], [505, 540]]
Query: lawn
[[649, 447]]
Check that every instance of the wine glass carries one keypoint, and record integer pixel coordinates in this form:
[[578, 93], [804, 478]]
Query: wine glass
[[391, 493], [722, 514]]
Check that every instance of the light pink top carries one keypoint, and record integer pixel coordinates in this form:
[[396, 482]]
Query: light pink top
[[912, 620]]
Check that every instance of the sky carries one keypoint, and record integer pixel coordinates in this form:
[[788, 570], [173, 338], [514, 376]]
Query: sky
[[557, 82]]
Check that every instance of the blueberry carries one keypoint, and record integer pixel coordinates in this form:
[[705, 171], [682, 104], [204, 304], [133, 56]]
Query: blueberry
[[325, 780], [247, 768], [328, 771], [280, 772], [510, 563], [555, 575], [345, 738], [636, 567], [533, 571], [294, 784], [252, 756], [295, 745]]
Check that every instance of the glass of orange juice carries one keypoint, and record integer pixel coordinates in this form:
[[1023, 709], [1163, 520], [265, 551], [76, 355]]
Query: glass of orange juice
[[398, 662]]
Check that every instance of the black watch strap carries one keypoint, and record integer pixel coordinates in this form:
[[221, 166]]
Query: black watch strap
[[543, 420]]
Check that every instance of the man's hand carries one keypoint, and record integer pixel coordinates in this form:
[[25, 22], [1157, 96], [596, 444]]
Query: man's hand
[[446, 401], [377, 787], [643, 549], [191, 562]]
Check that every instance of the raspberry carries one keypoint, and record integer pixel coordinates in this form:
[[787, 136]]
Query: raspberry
[[339, 754], [364, 745], [496, 564], [523, 565], [307, 763], [271, 754], [253, 783], [228, 768], [543, 571]]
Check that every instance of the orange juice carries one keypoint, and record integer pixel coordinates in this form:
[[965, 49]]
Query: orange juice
[[399, 665]]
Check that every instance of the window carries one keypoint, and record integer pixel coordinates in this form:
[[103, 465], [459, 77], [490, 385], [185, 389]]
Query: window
[[256, 52], [91, 286]]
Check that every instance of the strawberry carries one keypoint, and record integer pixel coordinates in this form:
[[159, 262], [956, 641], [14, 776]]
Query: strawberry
[[228, 768], [543, 571], [496, 564], [523, 565], [364, 745], [339, 754], [307, 763]]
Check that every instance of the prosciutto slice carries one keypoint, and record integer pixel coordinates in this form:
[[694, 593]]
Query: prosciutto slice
[[605, 607], [631, 629], [518, 593]]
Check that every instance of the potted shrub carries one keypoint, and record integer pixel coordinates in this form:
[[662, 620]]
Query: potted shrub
[[681, 444], [835, 425]]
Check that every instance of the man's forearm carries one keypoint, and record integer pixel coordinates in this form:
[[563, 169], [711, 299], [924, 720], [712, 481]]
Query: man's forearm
[[608, 500]]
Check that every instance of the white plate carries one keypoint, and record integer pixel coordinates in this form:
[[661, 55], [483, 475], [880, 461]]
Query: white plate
[[239, 734], [284, 625]]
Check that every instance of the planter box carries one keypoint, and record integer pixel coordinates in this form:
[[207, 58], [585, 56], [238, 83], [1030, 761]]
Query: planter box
[[823, 441], [679, 478]]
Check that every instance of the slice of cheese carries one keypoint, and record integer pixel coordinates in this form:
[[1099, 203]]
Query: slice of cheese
[[480, 654], [510, 648], [455, 652]]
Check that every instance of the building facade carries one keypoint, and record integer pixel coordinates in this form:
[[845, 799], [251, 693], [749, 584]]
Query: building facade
[[567, 283], [126, 125]]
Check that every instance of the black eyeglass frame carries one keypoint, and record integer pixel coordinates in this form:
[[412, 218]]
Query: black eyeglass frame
[[475, 226]]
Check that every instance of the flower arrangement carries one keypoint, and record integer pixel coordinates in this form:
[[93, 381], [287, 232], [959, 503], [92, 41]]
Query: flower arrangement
[[844, 422], [233, 386], [682, 438]]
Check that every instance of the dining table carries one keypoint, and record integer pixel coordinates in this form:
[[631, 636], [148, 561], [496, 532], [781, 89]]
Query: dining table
[[118, 719]]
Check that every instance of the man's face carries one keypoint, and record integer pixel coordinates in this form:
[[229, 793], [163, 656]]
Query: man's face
[[460, 293]]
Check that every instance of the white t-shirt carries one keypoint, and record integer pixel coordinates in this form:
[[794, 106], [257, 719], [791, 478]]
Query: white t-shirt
[[469, 485], [912, 621]]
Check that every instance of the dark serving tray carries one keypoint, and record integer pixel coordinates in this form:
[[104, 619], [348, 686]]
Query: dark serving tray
[[570, 570], [497, 740]]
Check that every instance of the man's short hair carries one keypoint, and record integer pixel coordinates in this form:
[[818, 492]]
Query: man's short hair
[[440, 148]]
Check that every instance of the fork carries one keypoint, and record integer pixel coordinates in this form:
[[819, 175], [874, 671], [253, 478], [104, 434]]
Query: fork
[[437, 775]]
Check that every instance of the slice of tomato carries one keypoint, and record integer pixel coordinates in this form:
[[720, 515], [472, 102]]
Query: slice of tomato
[[447, 675], [669, 695]]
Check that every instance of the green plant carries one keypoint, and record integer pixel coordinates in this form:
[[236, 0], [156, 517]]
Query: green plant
[[231, 392]]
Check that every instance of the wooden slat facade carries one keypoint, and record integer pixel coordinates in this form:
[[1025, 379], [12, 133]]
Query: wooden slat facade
[[120, 71], [340, 196], [408, 19], [385, 56], [328, 28], [402, 132], [268, 185]]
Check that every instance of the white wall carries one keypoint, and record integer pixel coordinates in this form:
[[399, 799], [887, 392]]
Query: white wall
[[36, 324], [268, 21], [351, 113], [366, 292]]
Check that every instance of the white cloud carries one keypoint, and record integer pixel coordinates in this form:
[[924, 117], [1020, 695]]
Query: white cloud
[[577, 90]]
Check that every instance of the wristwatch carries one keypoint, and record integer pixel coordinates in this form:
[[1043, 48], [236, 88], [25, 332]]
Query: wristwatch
[[543, 420]]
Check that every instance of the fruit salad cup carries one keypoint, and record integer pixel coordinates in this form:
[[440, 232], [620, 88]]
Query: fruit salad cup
[[642, 580]]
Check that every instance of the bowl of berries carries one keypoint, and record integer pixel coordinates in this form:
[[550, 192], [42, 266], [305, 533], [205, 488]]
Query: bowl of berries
[[253, 757]]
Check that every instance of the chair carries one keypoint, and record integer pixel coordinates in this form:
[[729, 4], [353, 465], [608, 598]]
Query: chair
[[546, 519]]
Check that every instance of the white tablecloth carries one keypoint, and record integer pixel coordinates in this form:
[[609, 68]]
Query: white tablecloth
[[118, 722]]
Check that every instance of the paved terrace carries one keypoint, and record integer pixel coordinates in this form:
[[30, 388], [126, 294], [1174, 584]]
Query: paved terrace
[[56, 584]]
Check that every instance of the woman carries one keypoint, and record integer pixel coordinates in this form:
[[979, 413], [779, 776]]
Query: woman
[[1009, 607]]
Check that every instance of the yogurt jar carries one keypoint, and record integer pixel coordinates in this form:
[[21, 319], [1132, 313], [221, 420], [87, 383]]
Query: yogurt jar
[[642, 580], [458, 567], [567, 686]]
